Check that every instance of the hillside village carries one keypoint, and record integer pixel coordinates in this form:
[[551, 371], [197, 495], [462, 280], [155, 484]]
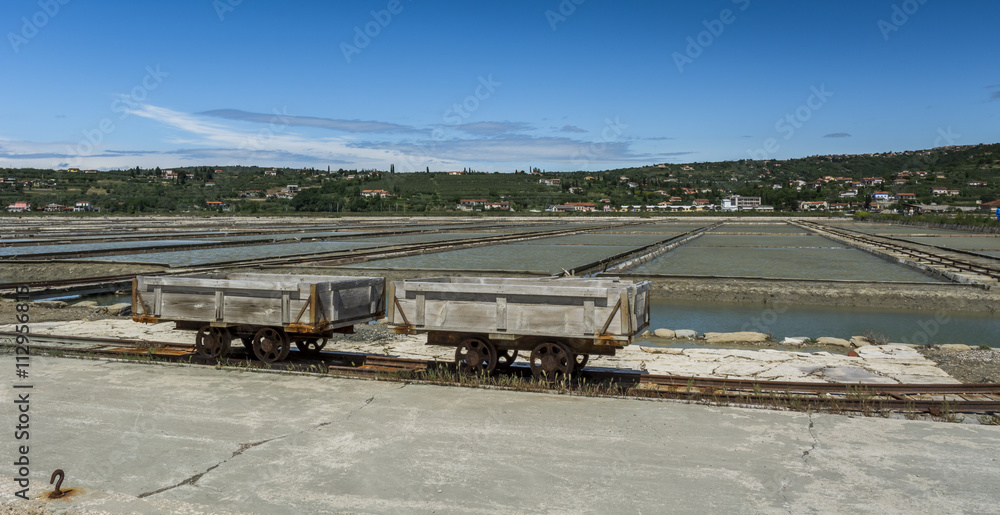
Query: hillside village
[[947, 179]]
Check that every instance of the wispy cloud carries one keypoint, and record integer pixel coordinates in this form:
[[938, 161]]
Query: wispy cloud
[[995, 94], [572, 128], [837, 135], [222, 137], [516, 148], [309, 121], [493, 128], [659, 138]]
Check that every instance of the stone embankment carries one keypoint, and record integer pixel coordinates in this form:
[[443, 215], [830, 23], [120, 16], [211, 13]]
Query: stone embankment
[[755, 339]]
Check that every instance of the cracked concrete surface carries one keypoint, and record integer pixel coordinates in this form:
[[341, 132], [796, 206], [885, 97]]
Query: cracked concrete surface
[[333, 445]]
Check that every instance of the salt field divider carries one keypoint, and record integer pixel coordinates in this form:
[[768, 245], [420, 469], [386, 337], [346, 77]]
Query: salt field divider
[[625, 260]]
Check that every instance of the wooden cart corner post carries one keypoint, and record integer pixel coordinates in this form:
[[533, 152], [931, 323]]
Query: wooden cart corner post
[[559, 322]]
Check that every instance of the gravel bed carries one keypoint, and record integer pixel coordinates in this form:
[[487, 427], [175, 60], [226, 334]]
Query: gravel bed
[[971, 366]]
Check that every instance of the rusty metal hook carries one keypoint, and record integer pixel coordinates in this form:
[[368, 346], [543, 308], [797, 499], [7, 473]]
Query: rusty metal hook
[[62, 475]]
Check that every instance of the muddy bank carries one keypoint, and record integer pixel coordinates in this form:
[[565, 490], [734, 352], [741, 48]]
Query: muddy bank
[[916, 296], [42, 271], [41, 312]]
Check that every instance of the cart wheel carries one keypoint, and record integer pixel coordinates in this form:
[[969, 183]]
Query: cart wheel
[[474, 355], [212, 342], [581, 361], [506, 358], [270, 345], [551, 361], [310, 345]]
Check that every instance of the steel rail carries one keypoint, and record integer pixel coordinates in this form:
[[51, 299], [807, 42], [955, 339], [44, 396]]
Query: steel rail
[[929, 398]]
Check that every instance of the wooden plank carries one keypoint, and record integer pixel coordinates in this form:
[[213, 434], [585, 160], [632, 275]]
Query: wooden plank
[[219, 306], [501, 314], [421, 307], [157, 301], [589, 326], [211, 284], [335, 281], [509, 289], [390, 304]]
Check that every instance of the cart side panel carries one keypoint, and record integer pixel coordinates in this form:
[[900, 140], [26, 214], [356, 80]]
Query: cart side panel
[[464, 306], [187, 304]]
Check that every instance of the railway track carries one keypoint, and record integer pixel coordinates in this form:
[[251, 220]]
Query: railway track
[[934, 399], [907, 249]]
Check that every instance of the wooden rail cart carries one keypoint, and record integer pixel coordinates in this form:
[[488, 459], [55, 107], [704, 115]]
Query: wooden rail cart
[[267, 312], [560, 322]]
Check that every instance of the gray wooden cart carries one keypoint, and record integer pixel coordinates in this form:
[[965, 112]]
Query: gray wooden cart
[[561, 322], [267, 312]]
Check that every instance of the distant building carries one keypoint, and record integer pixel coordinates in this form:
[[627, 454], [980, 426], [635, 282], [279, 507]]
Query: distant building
[[813, 205], [501, 206], [376, 193], [576, 207], [740, 203], [938, 191], [19, 207], [550, 182], [83, 206]]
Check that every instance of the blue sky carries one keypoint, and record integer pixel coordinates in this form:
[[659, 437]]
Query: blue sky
[[492, 85]]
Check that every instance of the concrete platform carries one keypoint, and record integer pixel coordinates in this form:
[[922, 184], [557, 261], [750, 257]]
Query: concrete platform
[[171, 438]]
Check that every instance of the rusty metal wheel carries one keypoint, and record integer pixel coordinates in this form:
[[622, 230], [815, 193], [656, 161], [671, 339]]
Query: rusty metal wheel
[[270, 345], [581, 361], [551, 361], [310, 345], [506, 358], [474, 355], [212, 342]]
